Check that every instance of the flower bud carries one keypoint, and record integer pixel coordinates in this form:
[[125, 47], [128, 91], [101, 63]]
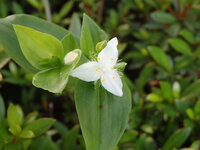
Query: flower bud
[[120, 66], [70, 57], [101, 45]]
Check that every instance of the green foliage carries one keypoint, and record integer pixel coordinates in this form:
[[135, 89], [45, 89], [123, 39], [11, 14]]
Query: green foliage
[[177, 139], [103, 116], [18, 133], [163, 17], [42, 50], [160, 57], [9, 40], [159, 40]]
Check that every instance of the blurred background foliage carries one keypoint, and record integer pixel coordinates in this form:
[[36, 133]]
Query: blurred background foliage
[[160, 40]]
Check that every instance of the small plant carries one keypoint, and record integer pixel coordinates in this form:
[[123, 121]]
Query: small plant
[[18, 131]]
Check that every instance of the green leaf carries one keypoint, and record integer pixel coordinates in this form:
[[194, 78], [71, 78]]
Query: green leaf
[[14, 115], [3, 8], [9, 40], [145, 75], [61, 128], [154, 97], [2, 108], [70, 42], [63, 11], [187, 35], [183, 62], [11, 146], [40, 126], [43, 143], [91, 34], [17, 8], [5, 137], [166, 90], [160, 57], [42, 50], [197, 108], [4, 59], [30, 117], [103, 117], [176, 89], [177, 139], [69, 140], [190, 113], [27, 134], [163, 17], [128, 136], [55, 79], [15, 130], [75, 26], [180, 46], [192, 90]]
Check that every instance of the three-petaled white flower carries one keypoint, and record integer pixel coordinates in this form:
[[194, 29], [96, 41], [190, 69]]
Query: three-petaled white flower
[[103, 69]]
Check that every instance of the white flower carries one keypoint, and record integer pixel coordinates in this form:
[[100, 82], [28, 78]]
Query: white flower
[[103, 69]]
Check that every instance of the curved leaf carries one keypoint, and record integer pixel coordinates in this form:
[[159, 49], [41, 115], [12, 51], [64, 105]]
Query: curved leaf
[[91, 34], [9, 40], [177, 139], [42, 50], [55, 79], [103, 116]]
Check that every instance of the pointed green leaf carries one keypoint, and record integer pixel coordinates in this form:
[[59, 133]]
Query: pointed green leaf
[[15, 130], [154, 97], [180, 46], [55, 79], [189, 36], [163, 17], [42, 50], [27, 134], [69, 140], [14, 115], [75, 26], [70, 42], [177, 139], [9, 40], [103, 117], [91, 34], [192, 90], [2, 108], [160, 57], [166, 89], [40, 126], [43, 143]]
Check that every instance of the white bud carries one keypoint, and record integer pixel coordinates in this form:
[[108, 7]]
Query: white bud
[[70, 57]]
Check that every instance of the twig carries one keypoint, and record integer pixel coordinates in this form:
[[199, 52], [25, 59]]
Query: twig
[[179, 9], [48, 10], [186, 10], [170, 9], [100, 11]]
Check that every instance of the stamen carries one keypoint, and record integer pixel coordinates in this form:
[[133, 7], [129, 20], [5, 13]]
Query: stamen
[[113, 77], [111, 59], [99, 58], [103, 80], [97, 69]]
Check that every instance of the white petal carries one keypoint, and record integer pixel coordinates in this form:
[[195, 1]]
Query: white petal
[[111, 81], [89, 71], [109, 55]]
